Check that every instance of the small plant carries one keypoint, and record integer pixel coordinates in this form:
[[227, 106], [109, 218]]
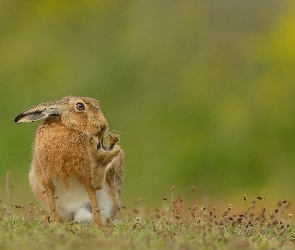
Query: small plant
[[177, 206]]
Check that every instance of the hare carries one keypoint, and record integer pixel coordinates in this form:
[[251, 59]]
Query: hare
[[72, 172]]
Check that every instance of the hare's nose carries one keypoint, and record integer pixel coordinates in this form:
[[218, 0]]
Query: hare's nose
[[103, 127]]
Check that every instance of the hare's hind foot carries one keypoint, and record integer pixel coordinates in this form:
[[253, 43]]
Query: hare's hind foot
[[100, 164], [101, 156], [113, 139]]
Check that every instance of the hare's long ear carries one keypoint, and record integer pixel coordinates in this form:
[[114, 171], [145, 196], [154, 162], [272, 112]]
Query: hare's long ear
[[39, 112]]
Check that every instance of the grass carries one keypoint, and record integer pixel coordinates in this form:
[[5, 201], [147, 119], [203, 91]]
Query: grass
[[171, 227]]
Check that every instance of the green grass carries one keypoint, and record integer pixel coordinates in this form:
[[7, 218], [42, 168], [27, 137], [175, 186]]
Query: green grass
[[171, 227]]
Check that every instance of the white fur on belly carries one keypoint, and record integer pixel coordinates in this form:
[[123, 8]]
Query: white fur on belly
[[72, 199]]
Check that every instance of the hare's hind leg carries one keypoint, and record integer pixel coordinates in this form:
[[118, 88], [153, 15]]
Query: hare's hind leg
[[114, 178]]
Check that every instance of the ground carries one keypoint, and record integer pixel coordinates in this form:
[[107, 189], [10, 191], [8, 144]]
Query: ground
[[171, 227]]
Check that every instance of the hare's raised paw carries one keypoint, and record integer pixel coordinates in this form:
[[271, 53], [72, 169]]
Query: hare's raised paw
[[113, 139]]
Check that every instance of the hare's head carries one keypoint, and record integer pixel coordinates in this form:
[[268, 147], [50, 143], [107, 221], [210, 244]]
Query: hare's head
[[79, 113]]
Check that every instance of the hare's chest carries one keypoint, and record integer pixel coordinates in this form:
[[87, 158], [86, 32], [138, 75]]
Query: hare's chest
[[62, 151]]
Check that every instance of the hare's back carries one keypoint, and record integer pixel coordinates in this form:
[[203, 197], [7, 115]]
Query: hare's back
[[61, 151]]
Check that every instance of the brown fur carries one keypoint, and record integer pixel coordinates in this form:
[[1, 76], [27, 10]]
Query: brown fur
[[70, 145]]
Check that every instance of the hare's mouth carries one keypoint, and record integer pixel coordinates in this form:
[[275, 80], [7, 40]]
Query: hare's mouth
[[102, 130], [100, 135], [98, 131]]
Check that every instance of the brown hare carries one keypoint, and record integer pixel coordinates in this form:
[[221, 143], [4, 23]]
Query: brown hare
[[72, 172]]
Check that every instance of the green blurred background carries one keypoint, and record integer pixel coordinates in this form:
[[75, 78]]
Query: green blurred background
[[201, 92]]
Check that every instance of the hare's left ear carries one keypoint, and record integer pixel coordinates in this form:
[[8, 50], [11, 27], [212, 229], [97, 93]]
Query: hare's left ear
[[38, 112]]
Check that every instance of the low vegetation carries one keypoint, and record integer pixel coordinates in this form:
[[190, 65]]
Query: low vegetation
[[174, 226]]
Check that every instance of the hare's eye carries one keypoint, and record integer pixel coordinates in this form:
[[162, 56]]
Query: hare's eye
[[80, 106]]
